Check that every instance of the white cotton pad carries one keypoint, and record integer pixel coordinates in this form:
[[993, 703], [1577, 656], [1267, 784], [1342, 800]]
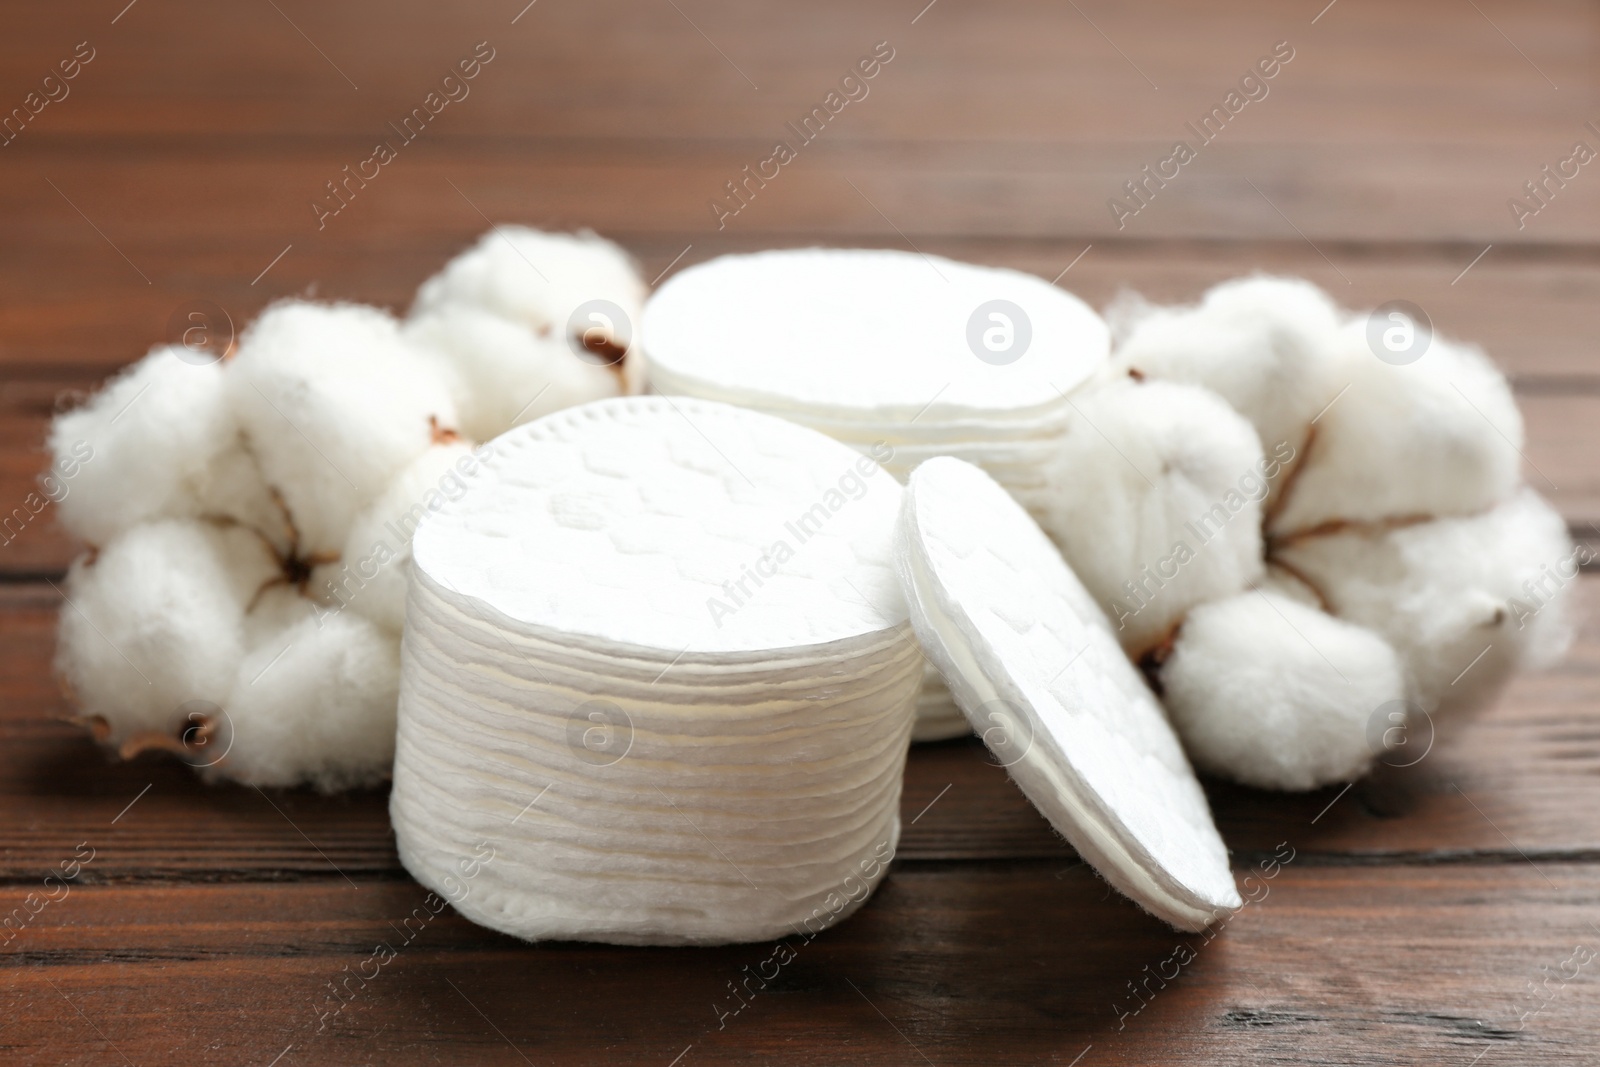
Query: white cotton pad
[[1033, 664], [657, 660], [869, 335]]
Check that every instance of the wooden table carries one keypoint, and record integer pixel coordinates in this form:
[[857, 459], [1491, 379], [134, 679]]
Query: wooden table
[[1444, 913]]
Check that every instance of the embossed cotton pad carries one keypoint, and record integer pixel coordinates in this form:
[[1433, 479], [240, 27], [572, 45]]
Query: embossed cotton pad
[[657, 659], [900, 355], [1033, 664]]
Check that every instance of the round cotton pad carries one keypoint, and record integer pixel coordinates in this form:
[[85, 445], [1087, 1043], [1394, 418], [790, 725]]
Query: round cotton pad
[[1033, 664], [674, 524]]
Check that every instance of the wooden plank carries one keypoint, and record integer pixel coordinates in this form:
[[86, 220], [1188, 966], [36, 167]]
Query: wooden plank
[[1524, 775], [1011, 70], [262, 196], [949, 965]]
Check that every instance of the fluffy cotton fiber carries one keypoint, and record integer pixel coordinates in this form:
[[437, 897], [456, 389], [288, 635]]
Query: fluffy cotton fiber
[[315, 703], [540, 281], [502, 374], [1466, 601], [1275, 694], [1440, 436], [154, 431], [155, 620], [1156, 502], [1268, 346], [375, 566], [334, 403], [251, 518]]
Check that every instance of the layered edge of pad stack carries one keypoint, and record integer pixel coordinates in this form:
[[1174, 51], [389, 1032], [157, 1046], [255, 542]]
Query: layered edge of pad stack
[[667, 712], [902, 356], [1033, 663]]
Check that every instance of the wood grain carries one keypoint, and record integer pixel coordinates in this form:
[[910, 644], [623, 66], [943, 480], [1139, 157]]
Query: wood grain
[[1425, 907], [1020, 962]]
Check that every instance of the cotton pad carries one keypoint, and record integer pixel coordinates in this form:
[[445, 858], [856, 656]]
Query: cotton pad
[[900, 355], [1033, 664], [657, 660], [873, 338]]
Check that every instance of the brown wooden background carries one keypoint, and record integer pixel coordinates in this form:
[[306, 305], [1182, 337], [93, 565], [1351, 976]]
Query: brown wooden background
[[1430, 915]]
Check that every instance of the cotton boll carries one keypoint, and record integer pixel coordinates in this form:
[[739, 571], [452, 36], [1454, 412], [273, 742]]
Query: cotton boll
[[375, 566], [233, 488], [504, 373], [1156, 502], [1271, 693], [155, 620], [540, 280], [1268, 346], [334, 403], [273, 610], [1464, 601], [315, 704], [142, 445], [1436, 437]]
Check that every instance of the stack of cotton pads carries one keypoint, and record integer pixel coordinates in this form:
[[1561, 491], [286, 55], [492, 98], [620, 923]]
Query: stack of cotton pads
[[901, 356], [676, 713]]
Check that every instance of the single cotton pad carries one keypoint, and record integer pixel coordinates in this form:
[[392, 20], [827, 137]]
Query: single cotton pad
[[657, 666], [1033, 663]]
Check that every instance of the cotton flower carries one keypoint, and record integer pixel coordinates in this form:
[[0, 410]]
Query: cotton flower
[[1440, 436], [1155, 500], [250, 519], [156, 620], [154, 432], [1405, 560], [501, 373]]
